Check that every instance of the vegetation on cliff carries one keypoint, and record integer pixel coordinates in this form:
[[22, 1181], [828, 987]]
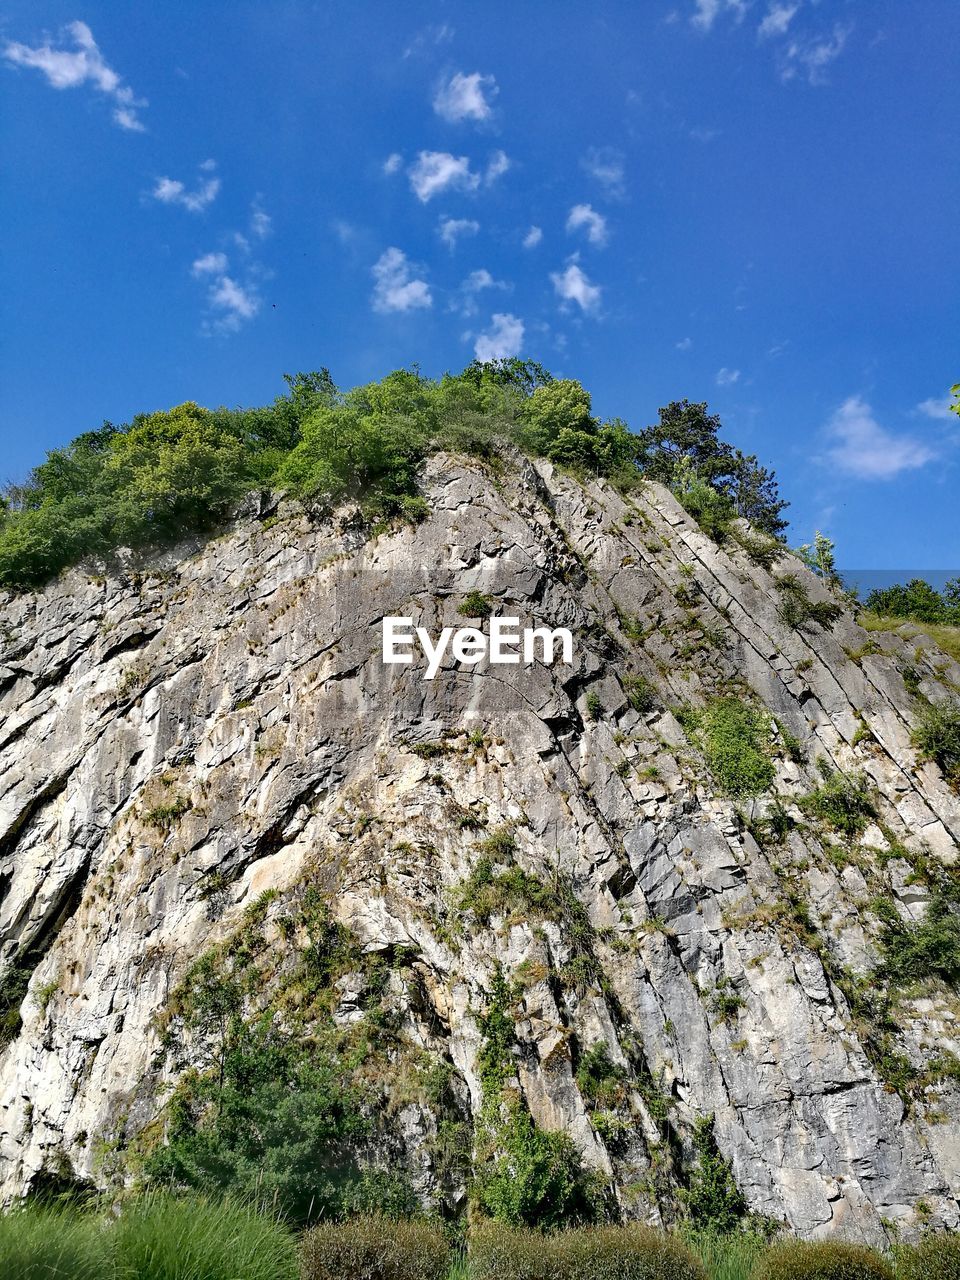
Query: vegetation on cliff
[[169, 474]]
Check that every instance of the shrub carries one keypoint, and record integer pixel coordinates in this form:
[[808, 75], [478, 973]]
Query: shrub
[[843, 801], [797, 610], [713, 1200], [375, 1248], [641, 694], [534, 1178], [936, 1257], [165, 1237], [821, 1260], [929, 949], [41, 1243], [591, 1253], [733, 736], [475, 605], [937, 736]]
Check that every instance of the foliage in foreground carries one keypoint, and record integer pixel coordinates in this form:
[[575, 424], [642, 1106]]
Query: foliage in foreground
[[167, 475], [821, 1260], [164, 1237], [38, 1243], [375, 1248], [157, 1237], [590, 1253]]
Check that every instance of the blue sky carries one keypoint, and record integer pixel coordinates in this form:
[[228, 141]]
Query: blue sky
[[749, 202]]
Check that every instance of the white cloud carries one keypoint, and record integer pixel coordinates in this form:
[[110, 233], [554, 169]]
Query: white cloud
[[69, 68], [727, 377], [210, 264], [595, 224], [861, 447], [436, 171], [503, 339], [706, 12], [812, 57], [394, 288], [939, 408], [171, 191], [465, 97], [606, 165], [465, 299], [235, 303], [532, 238], [393, 163], [450, 230], [685, 344], [261, 224], [572, 285], [498, 165], [778, 18]]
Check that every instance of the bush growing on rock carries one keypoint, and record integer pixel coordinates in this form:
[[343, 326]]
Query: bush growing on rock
[[937, 736], [589, 1253]]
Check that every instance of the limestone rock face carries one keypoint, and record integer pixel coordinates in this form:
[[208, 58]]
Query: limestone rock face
[[177, 741]]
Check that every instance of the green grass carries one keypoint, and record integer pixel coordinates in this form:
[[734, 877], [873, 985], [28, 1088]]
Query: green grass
[[43, 1243], [164, 1237], [945, 637]]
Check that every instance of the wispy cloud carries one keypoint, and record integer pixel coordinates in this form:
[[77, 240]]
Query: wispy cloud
[[210, 264], [232, 302], [465, 97], [431, 37], [503, 339], [777, 20], [497, 166], [394, 285], [393, 163], [532, 238], [451, 229], [171, 191], [706, 12], [607, 166], [83, 63], [573, 285], [861, 447], [727, 377], [685, 344], [261, 224], [938, 407], [812, 57], [465, 299], [585, 217]]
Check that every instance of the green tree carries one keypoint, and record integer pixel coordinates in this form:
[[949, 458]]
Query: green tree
[[686, 431]]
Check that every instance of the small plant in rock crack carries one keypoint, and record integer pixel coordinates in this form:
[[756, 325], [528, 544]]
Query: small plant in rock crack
[[475, 605]]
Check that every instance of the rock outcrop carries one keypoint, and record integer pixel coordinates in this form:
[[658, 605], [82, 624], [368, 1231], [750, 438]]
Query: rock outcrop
[[179, 740]]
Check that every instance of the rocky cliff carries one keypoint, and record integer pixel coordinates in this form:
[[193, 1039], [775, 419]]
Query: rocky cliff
[[179, 741]]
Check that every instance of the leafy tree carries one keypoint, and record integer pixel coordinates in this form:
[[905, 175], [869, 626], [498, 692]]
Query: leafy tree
[[686, 430], [918, 600], [819, 557]]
